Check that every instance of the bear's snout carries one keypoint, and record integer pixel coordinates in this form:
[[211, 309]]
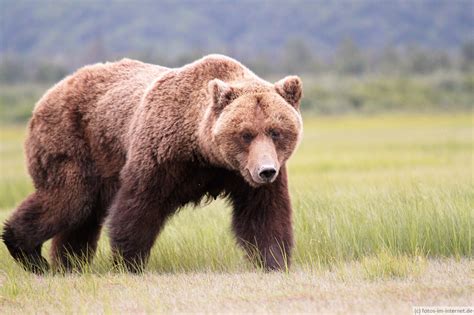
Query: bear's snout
[[263, 173], [263, 164], [267, 173]]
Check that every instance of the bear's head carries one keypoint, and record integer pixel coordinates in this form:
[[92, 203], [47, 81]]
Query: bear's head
[[253, 128]]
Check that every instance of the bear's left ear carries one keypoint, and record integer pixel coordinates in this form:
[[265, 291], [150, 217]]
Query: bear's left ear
[[222, 94], [291, 89]]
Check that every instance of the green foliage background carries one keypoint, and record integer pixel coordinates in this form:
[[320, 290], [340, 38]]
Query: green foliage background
[[364, 56]]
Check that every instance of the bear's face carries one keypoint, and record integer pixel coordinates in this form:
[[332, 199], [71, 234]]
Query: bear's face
[[256, 131]]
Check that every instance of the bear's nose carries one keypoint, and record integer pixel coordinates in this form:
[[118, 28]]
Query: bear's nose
[[267, 173]]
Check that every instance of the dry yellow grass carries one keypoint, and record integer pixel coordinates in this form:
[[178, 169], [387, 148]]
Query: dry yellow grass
[[345, 289]]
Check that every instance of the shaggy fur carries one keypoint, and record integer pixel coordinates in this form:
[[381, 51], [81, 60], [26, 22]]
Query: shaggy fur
[[135, 142]]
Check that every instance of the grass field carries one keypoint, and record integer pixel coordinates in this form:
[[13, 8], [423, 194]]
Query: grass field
[[383, 216]]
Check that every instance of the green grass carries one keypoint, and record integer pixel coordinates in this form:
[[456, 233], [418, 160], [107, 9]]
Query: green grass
[[17, 101], [401, 184], [388, 196]]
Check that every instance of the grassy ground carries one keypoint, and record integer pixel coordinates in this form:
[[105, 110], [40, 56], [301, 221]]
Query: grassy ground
[[383, 221]]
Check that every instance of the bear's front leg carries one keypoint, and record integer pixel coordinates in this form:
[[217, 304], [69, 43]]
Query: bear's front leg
[[138, 213], [262, 222]]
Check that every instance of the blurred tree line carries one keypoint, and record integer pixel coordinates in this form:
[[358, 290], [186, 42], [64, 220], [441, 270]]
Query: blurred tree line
[[296, 57], [352, 79], [361, 56]]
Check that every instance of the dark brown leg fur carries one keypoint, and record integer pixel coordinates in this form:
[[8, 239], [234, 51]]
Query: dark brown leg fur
[[64, 200], [21, 235], [262, 222], [80, 242], [75, 246], [138, 213]]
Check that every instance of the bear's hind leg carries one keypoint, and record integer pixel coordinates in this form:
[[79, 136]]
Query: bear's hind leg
[[21, 237], [74, 247], [63, 201]]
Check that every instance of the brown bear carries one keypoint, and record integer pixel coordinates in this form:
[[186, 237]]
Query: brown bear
[[134, 142]]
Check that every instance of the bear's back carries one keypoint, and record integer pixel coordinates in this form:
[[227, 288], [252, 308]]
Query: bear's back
[[93, 108], [96, 85]]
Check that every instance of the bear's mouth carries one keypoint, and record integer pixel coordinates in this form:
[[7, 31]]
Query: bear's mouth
[[247, 175]]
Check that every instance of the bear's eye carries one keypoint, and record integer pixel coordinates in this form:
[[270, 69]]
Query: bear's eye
[[275, 134], [247, 136]]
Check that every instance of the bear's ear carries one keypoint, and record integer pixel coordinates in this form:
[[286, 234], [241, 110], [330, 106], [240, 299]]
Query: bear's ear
[[291, 89], [222, 94]]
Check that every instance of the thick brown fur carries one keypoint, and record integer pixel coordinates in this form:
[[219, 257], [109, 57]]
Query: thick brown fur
[[134, 142]]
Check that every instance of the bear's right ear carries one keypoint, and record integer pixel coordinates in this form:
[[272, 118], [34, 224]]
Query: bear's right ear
[[222, 94]]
